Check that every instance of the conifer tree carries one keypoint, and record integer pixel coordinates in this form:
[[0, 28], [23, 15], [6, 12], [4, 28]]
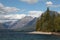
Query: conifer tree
[[48, 20], [38, 25]]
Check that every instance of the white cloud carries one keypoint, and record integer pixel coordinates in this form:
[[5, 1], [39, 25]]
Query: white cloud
[[11, 9], [17, 16], [35, 13], [4, 9], [12, 16], [30, 1], [49, 3], [20, 16]]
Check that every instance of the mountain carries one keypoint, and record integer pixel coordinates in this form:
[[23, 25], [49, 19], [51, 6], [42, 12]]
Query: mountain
[[25, 24], [22, 22], [9, 23], [31, 26]]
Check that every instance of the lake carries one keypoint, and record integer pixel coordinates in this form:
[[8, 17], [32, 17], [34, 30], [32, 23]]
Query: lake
[[24, 36]]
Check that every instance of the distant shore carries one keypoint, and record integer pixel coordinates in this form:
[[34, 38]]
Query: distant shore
[[49, 33]]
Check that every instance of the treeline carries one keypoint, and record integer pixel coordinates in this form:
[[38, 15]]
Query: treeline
[[48, 22]]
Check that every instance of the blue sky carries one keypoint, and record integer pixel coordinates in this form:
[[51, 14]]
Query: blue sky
[[40, 5], [27, 7]]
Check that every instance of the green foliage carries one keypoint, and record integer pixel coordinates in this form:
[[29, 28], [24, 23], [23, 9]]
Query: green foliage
[[57, 23], [38, 25], [48, 23]]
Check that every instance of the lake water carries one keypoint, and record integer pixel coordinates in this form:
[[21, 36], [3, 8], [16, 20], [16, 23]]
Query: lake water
[[24, 36]]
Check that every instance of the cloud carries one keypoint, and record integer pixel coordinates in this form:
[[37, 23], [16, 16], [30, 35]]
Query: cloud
[[20, 16], [17, 16], [30, 1], [49, 3], [11, 9], [35, 13], [12, 16], [4, 9]]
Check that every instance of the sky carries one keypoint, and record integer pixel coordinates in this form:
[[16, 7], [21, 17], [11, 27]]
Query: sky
[[17, 9]]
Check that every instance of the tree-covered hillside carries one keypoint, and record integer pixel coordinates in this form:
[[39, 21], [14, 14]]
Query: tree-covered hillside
[[48, 22]]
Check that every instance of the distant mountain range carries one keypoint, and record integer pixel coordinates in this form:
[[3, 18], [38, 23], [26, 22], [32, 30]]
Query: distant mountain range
[[23, 24], [27, 23]]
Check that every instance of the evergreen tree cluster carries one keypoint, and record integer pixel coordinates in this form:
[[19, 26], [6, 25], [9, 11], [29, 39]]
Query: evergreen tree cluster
[[48, 22]]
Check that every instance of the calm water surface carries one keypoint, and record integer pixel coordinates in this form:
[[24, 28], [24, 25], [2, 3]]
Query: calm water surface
[[24, 36]]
